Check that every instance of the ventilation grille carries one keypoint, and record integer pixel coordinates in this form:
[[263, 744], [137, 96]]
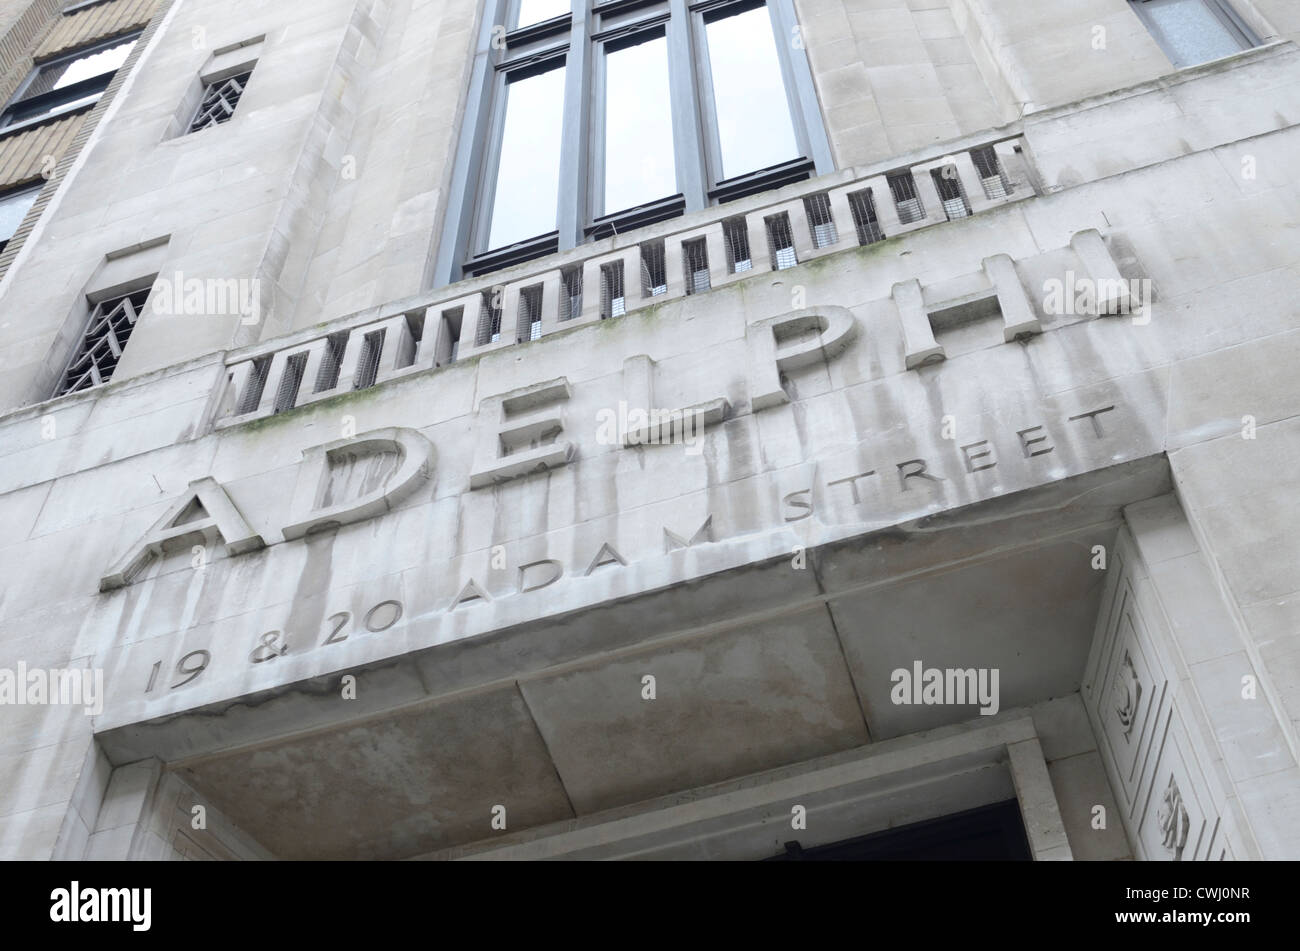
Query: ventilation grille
[[219, 102], [992, 177], [327, 377], [612, 301], [252, 395], [372, 345], [865, 222], [109, 328], [903, 188], [654, 272], [286, 395], [950, 192], [695, 256], [735, 234], [489, 320], [780, 241], [820, 221], [571, 293], [530, 313]]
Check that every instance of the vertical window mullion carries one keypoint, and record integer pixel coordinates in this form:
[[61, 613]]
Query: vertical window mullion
[[574, 163], [805, 110], [460, 229], [685, 78]]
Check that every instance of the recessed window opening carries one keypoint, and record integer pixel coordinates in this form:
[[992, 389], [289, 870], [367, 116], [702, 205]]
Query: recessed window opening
[[780, 240], [735, 235], [695, 255], [654, 270], [908, 202], [612, 301], [820, 221], [372, 347], [865, 222]]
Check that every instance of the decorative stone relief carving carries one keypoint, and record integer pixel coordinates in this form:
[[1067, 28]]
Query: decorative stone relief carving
[[1126, 695], [1174, 821]]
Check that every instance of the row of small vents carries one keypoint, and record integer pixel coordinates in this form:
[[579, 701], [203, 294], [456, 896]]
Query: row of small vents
[[654, 278]]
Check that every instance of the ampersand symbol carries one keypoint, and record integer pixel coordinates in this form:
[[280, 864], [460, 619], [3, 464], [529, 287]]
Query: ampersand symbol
[[269, 649]]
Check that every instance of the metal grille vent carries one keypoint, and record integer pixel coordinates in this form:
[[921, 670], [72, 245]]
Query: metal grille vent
[[109, 328], [903, 188], [612, 301], [252, 395], [489, 321], [286, 394], [735, 234], [695, 255], [327, 377], [372, 345], [992, 176], [820, 220], [865, 222], [780, 241], [571, 293], [530, 313], [654, 272], [219, 101], [950, 192]]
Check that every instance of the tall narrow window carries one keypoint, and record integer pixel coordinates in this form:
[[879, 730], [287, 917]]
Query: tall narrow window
[[638, 125], [112, 320], [751, 113], [67, 83], [1195, 31], [528, 167]]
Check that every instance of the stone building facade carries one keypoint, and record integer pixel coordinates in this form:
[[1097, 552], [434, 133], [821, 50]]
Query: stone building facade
[[664, 429]]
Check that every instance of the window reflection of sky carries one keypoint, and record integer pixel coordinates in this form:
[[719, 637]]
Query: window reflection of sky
[[535, 11], [638, 126], [528, 173], [754, 124], [105, 61]]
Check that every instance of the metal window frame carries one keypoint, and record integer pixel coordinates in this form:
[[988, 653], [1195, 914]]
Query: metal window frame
[[93, 84], [462, 247], [1221, 10], [214, 83], [91, 302]]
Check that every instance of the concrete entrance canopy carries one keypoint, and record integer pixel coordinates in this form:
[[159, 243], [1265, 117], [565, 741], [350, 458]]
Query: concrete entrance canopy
[[753, 668]]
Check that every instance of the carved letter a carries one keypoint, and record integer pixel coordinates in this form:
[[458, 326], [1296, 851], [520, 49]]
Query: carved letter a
[[203, 510]]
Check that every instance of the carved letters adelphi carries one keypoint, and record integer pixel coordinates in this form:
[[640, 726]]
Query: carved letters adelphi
[[523, 431]]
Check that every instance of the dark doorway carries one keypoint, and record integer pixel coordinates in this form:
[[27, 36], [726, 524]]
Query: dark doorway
[[989, 833]]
